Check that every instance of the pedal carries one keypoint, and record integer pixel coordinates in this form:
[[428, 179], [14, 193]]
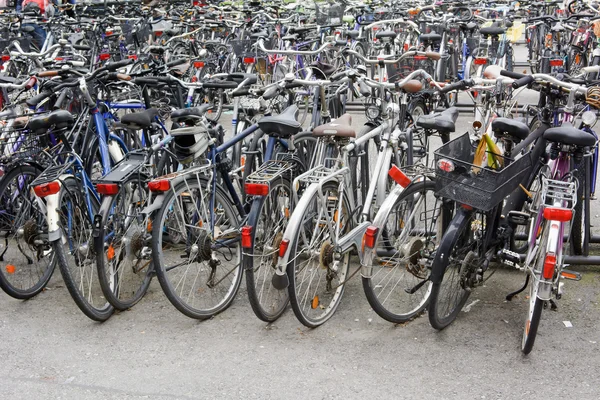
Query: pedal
[[511, 258], [518, 217], [570, 275]]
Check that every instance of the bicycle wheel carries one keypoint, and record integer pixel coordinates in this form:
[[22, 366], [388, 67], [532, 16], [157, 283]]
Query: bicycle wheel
[[26, 253], [198, 263], [399, 287], [535, 304], [455, 261], [580, 230], [122, 247], [75, 251], [269, 217], [316, 274]]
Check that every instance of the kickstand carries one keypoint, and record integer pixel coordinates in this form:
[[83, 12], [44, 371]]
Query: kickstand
[[513, 294]]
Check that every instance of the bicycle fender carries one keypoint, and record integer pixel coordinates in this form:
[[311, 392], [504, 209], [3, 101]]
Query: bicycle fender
[[440, 262], [102, 214]]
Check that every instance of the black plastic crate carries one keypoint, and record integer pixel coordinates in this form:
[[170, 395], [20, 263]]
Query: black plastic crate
[[482, 190]]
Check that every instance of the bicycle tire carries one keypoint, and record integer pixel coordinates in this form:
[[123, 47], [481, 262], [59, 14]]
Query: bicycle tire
[[298, 301], [391, 306], [6, 274], [71, 194], [270, 305], [160, 231]]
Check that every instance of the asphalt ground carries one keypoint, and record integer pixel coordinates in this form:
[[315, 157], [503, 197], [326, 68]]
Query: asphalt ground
[[50, 350]]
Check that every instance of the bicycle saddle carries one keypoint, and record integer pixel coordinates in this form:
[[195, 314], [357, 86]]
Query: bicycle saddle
[[506, 126], [340, 127], [430, 37], [353, 34], [59, 118], [282, 125], [567, 134], [141, 120], [492, 30], [386, 35], [322, 70], [441, 121], [189, 114]]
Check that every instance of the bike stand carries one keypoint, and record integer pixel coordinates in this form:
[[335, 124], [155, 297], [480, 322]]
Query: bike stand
[[510, 296]]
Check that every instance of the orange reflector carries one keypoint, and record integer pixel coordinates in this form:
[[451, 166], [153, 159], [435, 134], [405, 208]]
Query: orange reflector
[[247, 237], [568, 275], [549, 266], [159, 186], [370, 236], [107, 189], [149, 226], [47, 189], [556, 63], [397, 175], [110, 252], [315, 302], [480, 61], [283, 247], [256, 189], [10, 269], [558, 214]]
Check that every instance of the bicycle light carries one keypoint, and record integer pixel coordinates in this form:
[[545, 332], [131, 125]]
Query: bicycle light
[[399, 177], [247, 237], [445, 165], [558, 214], [283, 247], [256, 189], [588, 118], [159, 186], [107, 189], [370, 237], [47, 189]]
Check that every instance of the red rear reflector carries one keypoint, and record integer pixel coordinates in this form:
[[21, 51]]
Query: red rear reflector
[[109, 33], [247, 237], [549, 266], [480, 61], [397, 175], [107, 189], [370, 236], [445, 165], [159, 186], [198, 64], [556, 63], [5, 57], [104, 56], [558, 214], [47, 189], [256, 189], [249, 60], [283, 247], [132, 57], [194, 79], [158, 33]]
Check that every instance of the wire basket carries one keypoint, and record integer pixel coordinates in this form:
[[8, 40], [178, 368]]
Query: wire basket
[[19, 144], [329, 13], [244, 48], [135, 32], [482, 190], [401, 70]]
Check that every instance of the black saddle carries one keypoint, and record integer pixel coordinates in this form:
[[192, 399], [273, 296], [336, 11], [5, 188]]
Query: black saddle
[[141, 120], [430, 37], [511, 127], [353, 34], [492, 30], [322, 70], [189, 114], [386, 35], [282, 125], [441, 121], [59, 118], [567, 134]]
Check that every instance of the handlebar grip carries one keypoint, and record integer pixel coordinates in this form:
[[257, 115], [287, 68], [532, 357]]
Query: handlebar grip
[[81, 47], [338, 76], [512, 74], [240, 92], [119, 64], [31, 83], [271, 92], [48, 74], [293, 85], [433, 55], [37, 99], [61, 99], [526, 80], [220, 85], [123, 77], [364, 89], [145, 81], [460, 85], [175, 63]]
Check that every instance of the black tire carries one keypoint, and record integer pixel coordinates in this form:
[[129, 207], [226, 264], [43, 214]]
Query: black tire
[[78, 269], [268, 217], [334, 280], [32, 262], [163, 232], [457, 241], [124, 237], [545, 63], [389, 297]]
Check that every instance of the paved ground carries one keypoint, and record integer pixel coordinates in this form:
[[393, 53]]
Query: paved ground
[[50, 350]]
